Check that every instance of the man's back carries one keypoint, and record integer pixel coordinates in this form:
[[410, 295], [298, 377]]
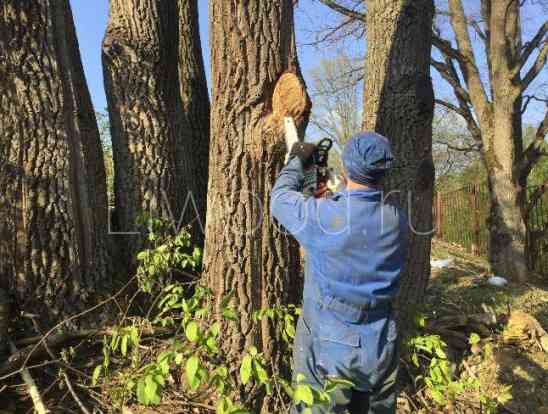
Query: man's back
[[356, 247]]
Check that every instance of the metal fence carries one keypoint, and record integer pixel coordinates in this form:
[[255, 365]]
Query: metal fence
[[460, 217]]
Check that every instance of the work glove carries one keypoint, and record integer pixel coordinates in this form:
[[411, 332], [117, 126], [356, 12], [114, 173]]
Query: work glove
[[305, 151]]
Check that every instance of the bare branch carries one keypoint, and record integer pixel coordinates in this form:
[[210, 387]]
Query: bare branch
[[529, 98], [535, 42], [470, 148], [465, 113], [536, 196], [536, 68], [535, 149], [353, 14], [468, 65], [444, 46], [445, 71]]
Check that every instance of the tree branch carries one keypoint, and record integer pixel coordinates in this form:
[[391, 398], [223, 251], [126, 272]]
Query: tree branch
[[535, 149], [353, 14], [468, 65], [536, 196], [535, 42], [446, 72], [466, 115], [529, 98], [444, 46], [536, 68]]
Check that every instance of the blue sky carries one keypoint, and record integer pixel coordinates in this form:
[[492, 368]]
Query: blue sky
[[91, 20]]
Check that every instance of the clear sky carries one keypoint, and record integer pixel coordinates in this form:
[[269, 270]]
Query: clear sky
[[91, 19]]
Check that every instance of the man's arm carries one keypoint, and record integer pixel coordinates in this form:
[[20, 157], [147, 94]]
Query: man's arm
[[289, 206]]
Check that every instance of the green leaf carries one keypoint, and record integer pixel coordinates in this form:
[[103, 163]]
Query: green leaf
[[123, 345], [211, 344], [191, 368], [474, 338], [246, 369], [215, 329], [96, 374], [151, 391], [222, 371], [289, 326], [440, 353], [262, 375], [141, 397], [178, 358], [230, 314], [340, 382], [191, 331], [303, 393]]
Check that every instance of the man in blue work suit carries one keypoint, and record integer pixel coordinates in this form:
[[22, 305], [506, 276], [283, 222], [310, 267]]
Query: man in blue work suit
[[355, 243]]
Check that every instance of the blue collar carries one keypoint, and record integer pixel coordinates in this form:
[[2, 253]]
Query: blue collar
[[362, 192]]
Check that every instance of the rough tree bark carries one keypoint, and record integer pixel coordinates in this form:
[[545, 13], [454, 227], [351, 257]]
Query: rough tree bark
[[193, 139], [398, 103], [252, 45], [53, 208], [158, 105]]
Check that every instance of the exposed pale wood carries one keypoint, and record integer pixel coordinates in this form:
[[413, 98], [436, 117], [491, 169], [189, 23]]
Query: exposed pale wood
[[33, 391]]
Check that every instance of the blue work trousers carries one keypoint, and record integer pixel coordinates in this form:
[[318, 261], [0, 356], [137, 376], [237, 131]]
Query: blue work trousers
[[334, 339]]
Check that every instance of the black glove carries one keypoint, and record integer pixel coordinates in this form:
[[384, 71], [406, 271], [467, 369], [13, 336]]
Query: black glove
[[305, 151]]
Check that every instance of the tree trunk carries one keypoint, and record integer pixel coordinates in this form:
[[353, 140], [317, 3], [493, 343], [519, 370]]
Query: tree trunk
[[193, 139], [53, 208], [159, 111], [141, 87], [252, 45], [503, 146], [398, 103]]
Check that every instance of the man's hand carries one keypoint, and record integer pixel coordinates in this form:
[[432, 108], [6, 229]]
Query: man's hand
[[305, 151]]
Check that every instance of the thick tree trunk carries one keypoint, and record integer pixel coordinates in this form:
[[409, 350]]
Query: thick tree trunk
[[53, 206], [139, 52], [398, 103], [252, 45], [503, 146], [193, 138], [159, 111]]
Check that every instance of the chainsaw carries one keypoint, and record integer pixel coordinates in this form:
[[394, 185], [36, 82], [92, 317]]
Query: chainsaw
[[319, 176]]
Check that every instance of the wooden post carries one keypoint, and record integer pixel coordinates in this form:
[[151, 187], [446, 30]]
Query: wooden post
[[476, 243], [439, 215]]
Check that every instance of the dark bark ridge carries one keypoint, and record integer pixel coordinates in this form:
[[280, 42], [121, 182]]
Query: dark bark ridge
[[252, 46], [52, 180]]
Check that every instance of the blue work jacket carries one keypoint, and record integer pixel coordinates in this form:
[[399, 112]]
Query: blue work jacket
[[355, 241], [356, 245]]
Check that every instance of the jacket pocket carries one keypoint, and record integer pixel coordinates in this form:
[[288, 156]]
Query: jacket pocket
[[338, 347]]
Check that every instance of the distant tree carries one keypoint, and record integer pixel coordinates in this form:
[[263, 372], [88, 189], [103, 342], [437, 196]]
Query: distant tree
[[453, 148], [53, 204], [493, 115], [335, 89], [106, 142]]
